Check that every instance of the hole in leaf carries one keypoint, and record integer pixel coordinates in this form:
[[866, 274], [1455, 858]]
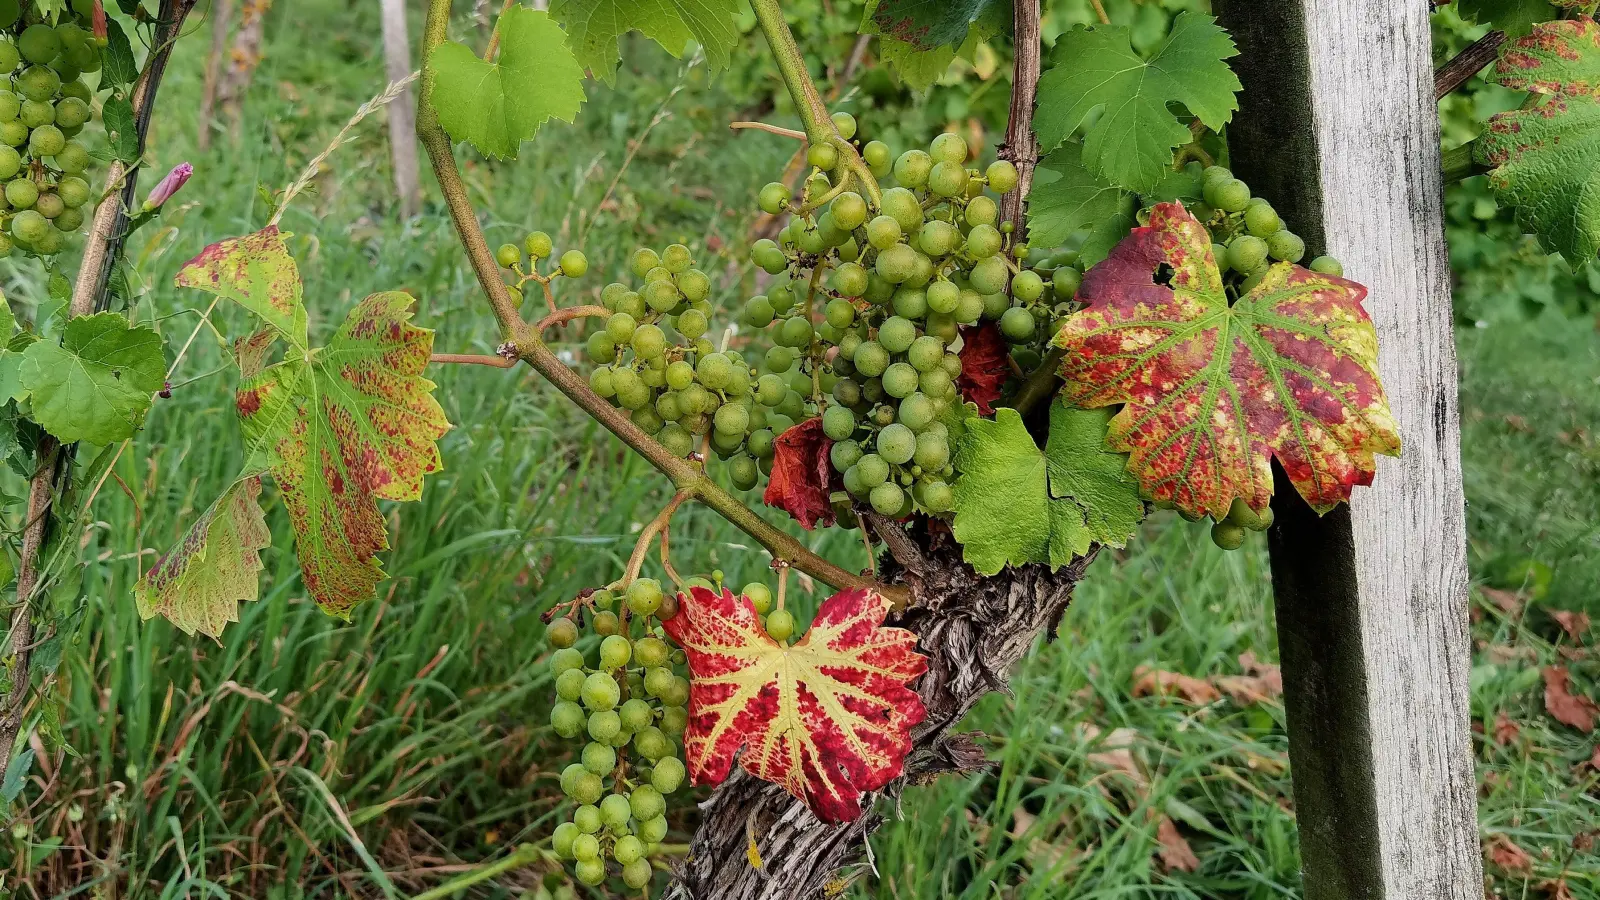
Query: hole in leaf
[[1163, 275]]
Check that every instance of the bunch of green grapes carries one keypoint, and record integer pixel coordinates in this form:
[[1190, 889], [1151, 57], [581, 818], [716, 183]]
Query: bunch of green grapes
[[624, 693], [44, 106]]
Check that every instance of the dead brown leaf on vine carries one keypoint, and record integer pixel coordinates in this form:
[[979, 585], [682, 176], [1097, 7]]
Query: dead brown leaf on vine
[[1173, 850], [1504, 854], [1148, 681], [1566, 707]]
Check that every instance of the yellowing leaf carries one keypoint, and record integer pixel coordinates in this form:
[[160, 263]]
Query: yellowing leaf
[[826, 719], [256, 272], [199, 584]]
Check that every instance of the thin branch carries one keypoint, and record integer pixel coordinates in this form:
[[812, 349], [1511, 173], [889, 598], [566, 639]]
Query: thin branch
[[494, 36], [1467, 63], [770, 129], [473, 359], [563, 316], [1020, 146], [1100, 12]]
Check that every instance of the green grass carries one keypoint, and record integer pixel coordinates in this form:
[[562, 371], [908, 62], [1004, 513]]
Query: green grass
[[232, 768]]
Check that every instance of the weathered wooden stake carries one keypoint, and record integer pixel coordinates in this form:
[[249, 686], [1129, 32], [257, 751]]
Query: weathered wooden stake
[[1339, 129], [402, 110]]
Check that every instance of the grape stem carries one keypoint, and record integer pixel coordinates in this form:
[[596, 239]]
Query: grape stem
[[819, 127], [1041, 383], [470, 359], [657, 525], [522, 342], [562, 316], [770, 129]]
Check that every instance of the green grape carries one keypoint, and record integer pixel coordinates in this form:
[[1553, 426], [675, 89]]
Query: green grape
[[674, 719], [1327, 265], [1017, 324], [644, 596], [570, 776], [970, 307], [648, 341], [562, 632], [844, 454], [695, 400], [949, 147], [677, 693], [651, 742], [900, 380], [887, 498], [605, 623], [1260, 219], [39, 44], [69, 220], [1286, 245], [845, 124], [1242, 515], [983, 241], [693, 285], [838, 423], [903, 206], [668, 774], [619, 327], [78, 89], [651, 652], [603, 599], [569, 684], [10, 162], [759, 595], [10, 104], [926, 353], [600, 690], [898, 264], [1066, 281], [677, 258], [652, 831], [614, 811], [9, 57], [678, 441], [628, 848], [897, 443], [937, 497], [795, 332], [599, 758], [943, 297], [989, 276], [1246, 253], [849, 280], [936, 383], [563, 659], [714, 371], [46, 140], [72, 113], [883, 232], [615, 651], [38, 83], [849, 210], [731, 419], [1027, 286], [910, 303], [1227, 535], [586, 848], [36, 114], [51, 242], [780, 624], [982, 211], [13, 134], [539, 246], [770, 389], [938, 238], [604, 725], [637, 874], [692, 323], [948, 179], [896, 335], [1229, 196], [823, 156], [590, 871], [1002, 176], [574, 264], [566, 718], [872, 470], [1215, 173], [876, 155], [586, 819], [561, 839], [646, 802], [916, 412], [643, 260], [933, 451], [758, 312], [773, 198], [910, 170]]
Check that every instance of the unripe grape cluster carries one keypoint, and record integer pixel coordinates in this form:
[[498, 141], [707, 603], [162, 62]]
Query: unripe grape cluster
[[43, 107], [619, 689], [539, 248]]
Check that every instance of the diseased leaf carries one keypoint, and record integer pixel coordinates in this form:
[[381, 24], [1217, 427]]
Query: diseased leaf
[[1096, 479], [199, 584], [353, 423], [802, 475], [827, 718], [97, 384], [594, 28], [985, 366], [495, 106], [256, 272], [1095, 68], [1546, 158], [1067, 198], [1004, 514], [930, 24], [1214, 392]]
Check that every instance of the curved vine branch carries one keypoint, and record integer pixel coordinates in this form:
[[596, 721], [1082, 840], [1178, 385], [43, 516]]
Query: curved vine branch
[[524, 342]]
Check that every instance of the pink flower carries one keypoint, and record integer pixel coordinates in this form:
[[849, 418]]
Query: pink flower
[[169, 185]]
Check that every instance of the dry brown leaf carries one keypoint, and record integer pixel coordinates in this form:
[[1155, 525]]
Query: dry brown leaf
[[1500, 654], [1557, 889], [1042, 854], [1575, 624], [1173, 850], [1504, 854], [1509, 602], [1148, 681], [1117, 753], [1505, 730], [1566, 707], [1594, 761], [1263, 681]]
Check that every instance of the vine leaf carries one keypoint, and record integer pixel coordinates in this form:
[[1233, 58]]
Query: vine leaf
[[1214, 392], [1016, 504], [594, 28], [1067, 198], [495, 106], [12, 343], [985, 366], [1095, 68], [826, 719], [96, 384], [801, 474], [338, 427], [256, 272], [1546, 158], [1514, 17], [199, 584], [931, 24]]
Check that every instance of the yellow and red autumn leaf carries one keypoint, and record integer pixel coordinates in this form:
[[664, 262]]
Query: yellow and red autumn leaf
[[801, 474], [984, 366], [827, 718], [1213, 392]]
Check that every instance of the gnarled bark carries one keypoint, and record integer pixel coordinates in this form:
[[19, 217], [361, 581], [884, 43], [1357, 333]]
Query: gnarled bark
[[973, 630]]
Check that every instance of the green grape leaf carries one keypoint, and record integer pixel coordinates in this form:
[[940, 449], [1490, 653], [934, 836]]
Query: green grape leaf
[[1093, 477], [341, 428], [1545, 159], [1131, 143], [12, 343], [1066, 198], [930, 24], [1515, 17], [199, 584], [919, 69], [1016, 504], [97, 384], [117, 65], [495, 106], [256, 272], [122, 134], [594, 28]]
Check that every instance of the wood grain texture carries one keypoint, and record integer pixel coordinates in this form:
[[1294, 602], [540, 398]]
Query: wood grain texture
[[402, 110]]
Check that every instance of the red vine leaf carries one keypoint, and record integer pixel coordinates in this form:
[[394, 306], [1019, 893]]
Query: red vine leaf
[[801, 473], [984, 366], [1212, 391], [827, 718]]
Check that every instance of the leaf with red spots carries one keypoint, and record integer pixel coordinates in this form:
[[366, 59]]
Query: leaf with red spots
[[1214, 392], [984, 366], [199, 584], [801, 474], [256, 272], [827, 718], [1546, 157]]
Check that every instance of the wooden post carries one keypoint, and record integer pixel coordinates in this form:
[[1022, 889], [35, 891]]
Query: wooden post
[[1339, 129], [402, 110], [221, 17]]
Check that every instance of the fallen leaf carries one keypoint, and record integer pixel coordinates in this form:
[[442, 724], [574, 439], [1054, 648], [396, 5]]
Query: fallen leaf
[[801, 472], [1500, 654], [1509, 602], [984, 366], [1567, 708], [1148, 681], [1174, 851], [1557, 889], [1263, 681], [1594, 760], [1117, 753], [1504, 854], [1575, 624], [1505, 730]]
